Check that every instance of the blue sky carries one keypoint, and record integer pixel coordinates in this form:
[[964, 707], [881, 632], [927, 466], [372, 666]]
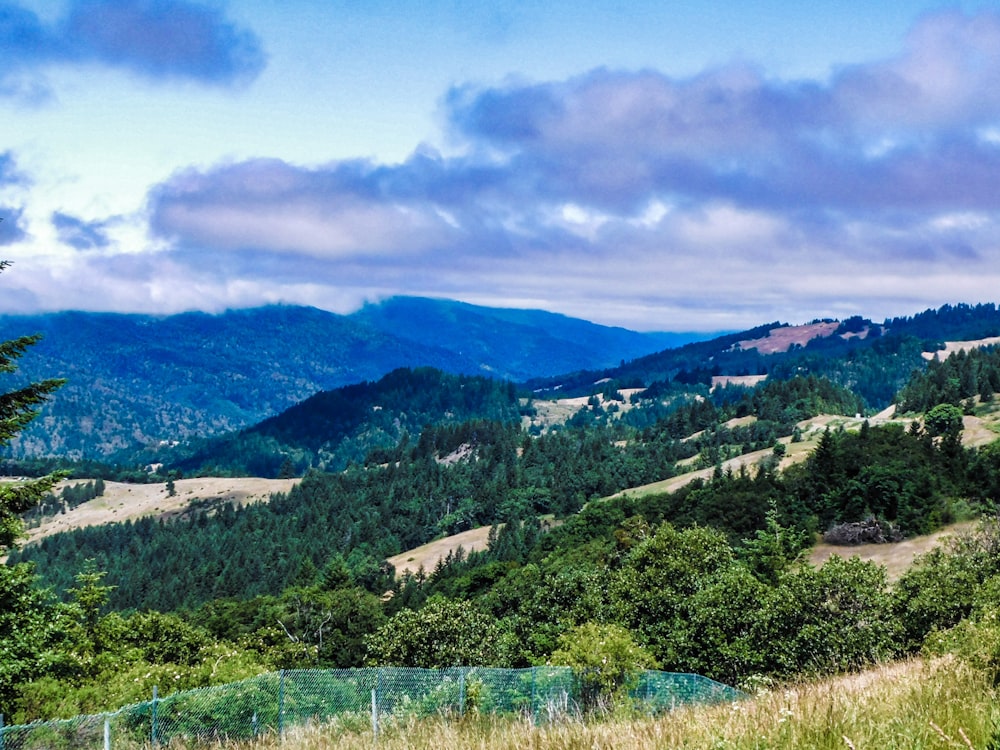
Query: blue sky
[[656, 165]]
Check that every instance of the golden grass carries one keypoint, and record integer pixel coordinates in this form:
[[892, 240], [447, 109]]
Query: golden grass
[[896, 557], [129, 502], [912, 705], [428, 555]]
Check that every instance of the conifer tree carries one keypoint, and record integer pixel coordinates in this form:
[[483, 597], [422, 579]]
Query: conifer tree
[[25, 631], [17, 408]]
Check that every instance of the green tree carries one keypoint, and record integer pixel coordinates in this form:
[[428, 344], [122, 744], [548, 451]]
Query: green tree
[[605, 658], [730, 639], [17, 409], [773, 549], [944, 419], [90, 596], [835, 618], [30, 635], [324, 626], [443, 633], [26, 630], [650, 594]]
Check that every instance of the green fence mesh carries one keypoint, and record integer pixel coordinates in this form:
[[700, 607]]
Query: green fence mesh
[[362, 698]]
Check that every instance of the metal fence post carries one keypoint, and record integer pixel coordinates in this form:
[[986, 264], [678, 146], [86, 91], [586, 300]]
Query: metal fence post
[[152, 730], [107, 733], [534, 697], [281, 704], [375, 713], [1, 732], [461, 693]]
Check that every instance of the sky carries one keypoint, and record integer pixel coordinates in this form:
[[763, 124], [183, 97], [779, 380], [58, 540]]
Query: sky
[[673, 166]]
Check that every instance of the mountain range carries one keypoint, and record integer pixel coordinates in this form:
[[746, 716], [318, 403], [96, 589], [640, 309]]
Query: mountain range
[[139, 383], [139, 380]]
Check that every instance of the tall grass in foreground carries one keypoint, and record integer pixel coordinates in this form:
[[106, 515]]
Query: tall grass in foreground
[[912, 705]]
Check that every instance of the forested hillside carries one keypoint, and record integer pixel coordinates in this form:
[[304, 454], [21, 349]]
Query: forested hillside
[[515, 343], [137, 381], [462, 474], [331, 429], [706, 578], [874, 360]]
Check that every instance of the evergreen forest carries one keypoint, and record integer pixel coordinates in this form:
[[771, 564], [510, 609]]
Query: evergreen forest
[[588, 543]]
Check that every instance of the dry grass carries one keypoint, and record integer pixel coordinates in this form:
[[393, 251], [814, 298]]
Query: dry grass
[[896, 557], [909, 705], [128, 502], [749, 381], [952, 347], [556, 411], [782, 339], [428, 555]]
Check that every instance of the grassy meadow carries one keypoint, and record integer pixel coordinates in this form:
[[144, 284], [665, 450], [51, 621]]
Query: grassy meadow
[[941, 703]]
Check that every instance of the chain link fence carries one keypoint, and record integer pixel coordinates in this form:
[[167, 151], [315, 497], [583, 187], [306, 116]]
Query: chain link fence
[[358, 699]]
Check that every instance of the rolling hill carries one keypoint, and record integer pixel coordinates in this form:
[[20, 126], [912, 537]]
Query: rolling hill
[[137, 381]]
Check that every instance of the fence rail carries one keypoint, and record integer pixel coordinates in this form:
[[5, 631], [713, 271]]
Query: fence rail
[[358, 698]]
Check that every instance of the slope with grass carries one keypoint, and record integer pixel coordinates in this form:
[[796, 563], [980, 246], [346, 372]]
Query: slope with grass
[[128, 502], [915, 704], [896, 557]]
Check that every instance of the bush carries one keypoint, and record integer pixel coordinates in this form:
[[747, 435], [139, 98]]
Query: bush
[[975, 642], [871, 531], [443, 633], [944, 585], [605, 659]]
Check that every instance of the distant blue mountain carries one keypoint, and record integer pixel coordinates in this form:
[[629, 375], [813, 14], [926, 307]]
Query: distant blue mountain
[[517, 344], [139, 379]]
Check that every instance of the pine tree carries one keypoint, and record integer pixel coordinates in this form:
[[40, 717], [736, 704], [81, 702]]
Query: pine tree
[[25, 630], [17, 409]]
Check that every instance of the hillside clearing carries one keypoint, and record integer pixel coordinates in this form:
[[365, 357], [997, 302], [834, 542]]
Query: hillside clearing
[[783, 338], [549, 412], [811, 430], [747, 381], [953, 347], [129, 502], [428, 555], [896, 557]]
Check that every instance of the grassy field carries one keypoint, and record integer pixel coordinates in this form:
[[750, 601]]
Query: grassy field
[[428, 555], [896, 557], [912, 705], [128, 502]]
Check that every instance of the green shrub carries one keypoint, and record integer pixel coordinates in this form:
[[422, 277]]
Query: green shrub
[[605, 659]]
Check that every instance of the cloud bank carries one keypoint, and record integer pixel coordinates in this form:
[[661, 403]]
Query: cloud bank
[[717, 200], [664, 198]]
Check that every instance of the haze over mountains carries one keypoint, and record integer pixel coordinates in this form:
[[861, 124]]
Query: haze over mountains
[[137, 380]]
